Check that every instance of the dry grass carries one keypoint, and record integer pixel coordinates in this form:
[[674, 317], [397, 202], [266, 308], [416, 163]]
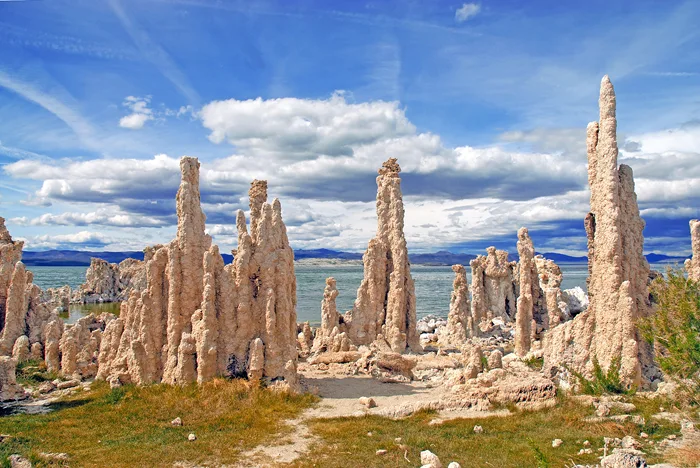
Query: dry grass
[[131, 426]]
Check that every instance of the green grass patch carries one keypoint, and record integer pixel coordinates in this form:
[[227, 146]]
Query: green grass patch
[[536, 363], [130, 426], [32, 372]]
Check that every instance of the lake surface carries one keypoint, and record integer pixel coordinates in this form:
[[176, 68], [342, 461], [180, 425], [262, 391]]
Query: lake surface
[[433, 287]]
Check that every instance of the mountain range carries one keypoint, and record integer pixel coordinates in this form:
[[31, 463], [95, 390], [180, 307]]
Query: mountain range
[[442, 257]]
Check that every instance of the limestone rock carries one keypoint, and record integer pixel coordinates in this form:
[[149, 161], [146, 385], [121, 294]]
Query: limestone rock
[[79, 346], [331, 336], [554, 308], [459, 320], [495, 359], [473, 364], [305, 339], [58, 297], [493, 287], [429, 460], [20, 351], [386, 300], [623, 460], [692, 265], [111, 282], [529, 293], [618, 291], [9, 389], [197, 318], [576, 300], [17, 461]]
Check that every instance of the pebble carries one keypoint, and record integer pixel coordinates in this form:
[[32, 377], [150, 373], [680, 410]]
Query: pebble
[[454, 465], [192, 437], [478, 429], [586, 443], [368, 402], [585, 451], [557, 443], [68, 384], [429, 459], [176, 422], [369, 434], [643, 435], [380, 452]]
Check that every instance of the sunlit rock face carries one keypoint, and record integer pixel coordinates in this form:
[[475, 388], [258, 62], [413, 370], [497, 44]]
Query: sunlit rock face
[[23, 313], [111, 282], [198, 318], [617, 284], [385, 308], [459, 320], [493, 286]]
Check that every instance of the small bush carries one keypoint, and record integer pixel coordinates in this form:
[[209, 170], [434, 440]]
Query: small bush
[[115, 396], [603, 382], [536, 363], [674, 327]]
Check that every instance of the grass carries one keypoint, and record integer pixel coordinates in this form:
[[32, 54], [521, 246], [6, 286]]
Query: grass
[[522, 439], [130, 426], [32, 372], [603, 382], [536, 363]]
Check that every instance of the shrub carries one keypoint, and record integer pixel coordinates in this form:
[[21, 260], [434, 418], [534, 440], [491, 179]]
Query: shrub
[[674, 329], [603, 382]]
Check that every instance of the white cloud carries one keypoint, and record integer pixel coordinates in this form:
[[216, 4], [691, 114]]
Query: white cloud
[[82, 239], [466, 11], [140, 112], [320, 158]]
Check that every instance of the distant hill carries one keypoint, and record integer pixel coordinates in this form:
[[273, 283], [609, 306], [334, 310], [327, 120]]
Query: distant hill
[[443, 257]]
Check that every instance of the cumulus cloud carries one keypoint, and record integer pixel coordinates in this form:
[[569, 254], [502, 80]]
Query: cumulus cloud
[[320, 158], [467, 11], [79, 240], [140, 112]]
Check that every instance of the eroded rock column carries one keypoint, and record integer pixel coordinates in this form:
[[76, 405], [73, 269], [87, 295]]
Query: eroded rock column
[[529, 290], [493, 288], [618, 292], [459, 320], [385, 308]]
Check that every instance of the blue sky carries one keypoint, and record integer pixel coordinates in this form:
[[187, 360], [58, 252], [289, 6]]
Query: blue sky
[[485, 105]]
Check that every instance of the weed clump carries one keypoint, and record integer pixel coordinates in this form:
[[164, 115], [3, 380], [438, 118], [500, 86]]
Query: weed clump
[[603, 382]]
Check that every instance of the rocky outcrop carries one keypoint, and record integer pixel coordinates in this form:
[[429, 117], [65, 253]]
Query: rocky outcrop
[[553, 308], [385, 308], [22, 311], [692, 265], [198, 318], [58, 297], [529, 294], [459, 320], [111, 282], [9, 389], [493, 288], [79, 346], [606, 331], [331, 336]]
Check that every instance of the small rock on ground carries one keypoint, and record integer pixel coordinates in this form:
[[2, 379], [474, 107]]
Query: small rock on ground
[[429, 460], [176, 422], [191, 437], [557, 443]]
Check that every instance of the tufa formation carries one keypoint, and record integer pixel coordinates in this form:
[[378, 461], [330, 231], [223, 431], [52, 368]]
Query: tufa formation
[[198, 318], [606, 331], [385, 308]]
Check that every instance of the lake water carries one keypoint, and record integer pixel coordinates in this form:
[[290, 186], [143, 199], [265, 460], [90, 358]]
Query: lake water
[[433, 287]]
